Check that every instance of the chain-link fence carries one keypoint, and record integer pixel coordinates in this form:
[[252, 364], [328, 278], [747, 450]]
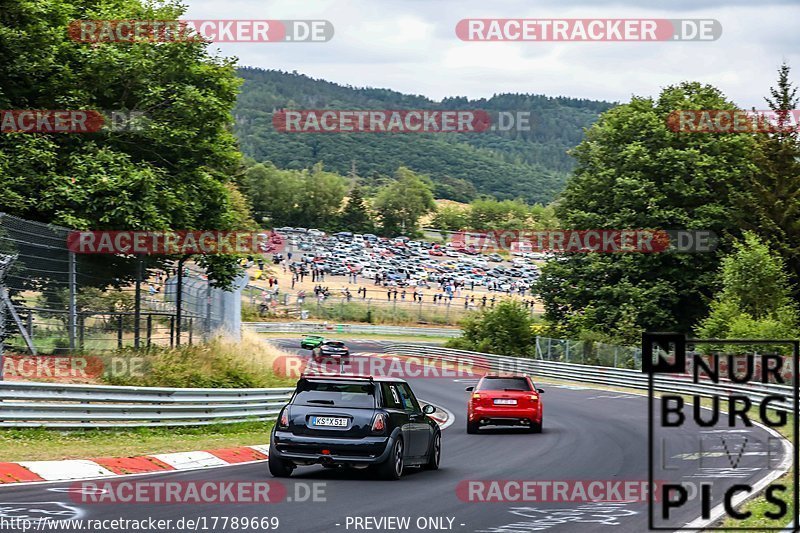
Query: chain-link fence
[[60, 302], [375, 306], [588, 353]]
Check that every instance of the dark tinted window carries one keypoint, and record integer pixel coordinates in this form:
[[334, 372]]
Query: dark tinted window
[[331, 394], [504, 383], [335, 344], [391, 396], [407, 397]]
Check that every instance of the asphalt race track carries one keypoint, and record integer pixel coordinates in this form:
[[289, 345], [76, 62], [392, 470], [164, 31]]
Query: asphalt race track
[[588, 435]]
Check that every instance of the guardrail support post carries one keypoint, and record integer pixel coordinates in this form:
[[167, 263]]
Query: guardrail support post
[[72, 310], [81, 331], [149, 329], [119, 331], [171, 331], [137, 304]]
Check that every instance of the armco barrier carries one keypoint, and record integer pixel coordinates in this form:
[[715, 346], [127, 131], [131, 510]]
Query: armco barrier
[[319, 327], [60, 406], [598, 375]]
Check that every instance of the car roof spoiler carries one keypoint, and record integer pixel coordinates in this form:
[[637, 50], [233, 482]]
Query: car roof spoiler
[[305, 375]]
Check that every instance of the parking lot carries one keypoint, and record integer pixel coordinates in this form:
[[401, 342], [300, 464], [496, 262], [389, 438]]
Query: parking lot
[[316, 267]]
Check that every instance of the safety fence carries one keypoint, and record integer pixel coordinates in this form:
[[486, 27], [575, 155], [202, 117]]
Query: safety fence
[[597, 375], [55, 301], [60, 406]]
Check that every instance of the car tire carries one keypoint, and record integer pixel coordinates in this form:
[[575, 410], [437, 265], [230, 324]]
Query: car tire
[[392, 468], [472, 427], [535, 428], [435, 453], [279, 467]]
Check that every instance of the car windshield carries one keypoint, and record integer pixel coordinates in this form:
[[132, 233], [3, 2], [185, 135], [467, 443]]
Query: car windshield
[[504, 384], [339, 394]]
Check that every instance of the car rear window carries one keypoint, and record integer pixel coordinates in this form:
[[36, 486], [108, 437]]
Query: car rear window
[[335, 344], [332, 394], [504, 383]]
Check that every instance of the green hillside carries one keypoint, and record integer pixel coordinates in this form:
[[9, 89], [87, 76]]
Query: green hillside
[[531, 164]]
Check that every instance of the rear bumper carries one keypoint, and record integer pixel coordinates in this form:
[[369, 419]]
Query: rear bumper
[[308, 450], [503, 416]]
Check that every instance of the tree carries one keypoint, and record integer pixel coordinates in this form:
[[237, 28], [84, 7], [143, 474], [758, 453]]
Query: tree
[[504, 329], [171, 172], [355, 216], [771, 199], [755, 300], [634, 172], [451, 218], [491, 214], [321, 197], [401, 203], [273, 194]]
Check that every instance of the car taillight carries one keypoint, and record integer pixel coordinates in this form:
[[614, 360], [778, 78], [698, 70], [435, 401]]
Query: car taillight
[[284, 422], [379, 424]]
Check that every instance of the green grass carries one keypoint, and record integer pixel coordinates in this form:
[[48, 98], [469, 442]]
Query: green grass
[[48, 444]]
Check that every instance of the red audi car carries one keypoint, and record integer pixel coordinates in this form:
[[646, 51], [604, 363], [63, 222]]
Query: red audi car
[[505, 400]]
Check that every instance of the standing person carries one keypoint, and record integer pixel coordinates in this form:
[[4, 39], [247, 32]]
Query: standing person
[[493, 300], [483, 301], [403, 295], [466, 302], [395, 294], [294, 279], [389, 294]]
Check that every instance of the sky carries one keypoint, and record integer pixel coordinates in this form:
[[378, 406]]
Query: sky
[[411, 46]]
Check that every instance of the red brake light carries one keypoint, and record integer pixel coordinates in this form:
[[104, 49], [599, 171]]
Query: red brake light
[[284, 419], [379, 425]]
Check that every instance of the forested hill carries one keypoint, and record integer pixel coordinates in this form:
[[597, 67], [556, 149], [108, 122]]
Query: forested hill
[[529, 164]]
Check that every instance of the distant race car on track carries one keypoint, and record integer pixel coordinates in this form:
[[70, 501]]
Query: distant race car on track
[[354, 421], [331, 351], [505, 400], [311, 341]]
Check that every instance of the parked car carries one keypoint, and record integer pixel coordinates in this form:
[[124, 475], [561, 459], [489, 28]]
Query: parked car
[[505, 400], [358, 422]]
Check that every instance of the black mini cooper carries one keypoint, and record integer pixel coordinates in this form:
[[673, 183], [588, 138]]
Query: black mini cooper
[[354, 421]]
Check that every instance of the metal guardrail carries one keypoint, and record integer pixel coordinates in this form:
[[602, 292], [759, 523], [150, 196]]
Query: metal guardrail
[[598, 375], [60, 406], [320, 327]]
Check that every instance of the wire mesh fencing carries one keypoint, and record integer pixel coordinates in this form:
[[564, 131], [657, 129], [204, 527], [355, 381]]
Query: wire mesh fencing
[[60, 301]]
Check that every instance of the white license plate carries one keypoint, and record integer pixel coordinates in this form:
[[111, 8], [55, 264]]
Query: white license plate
[[329, 421], [504, 401]]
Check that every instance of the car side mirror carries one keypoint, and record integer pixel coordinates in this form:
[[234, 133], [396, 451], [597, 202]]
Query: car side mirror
[[428, 409], [469, 389], [540, 391]]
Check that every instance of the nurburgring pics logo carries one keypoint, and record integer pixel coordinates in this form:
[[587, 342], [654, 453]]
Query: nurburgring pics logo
[[188, 242], [592, 30], [731, 457], [219, 31]]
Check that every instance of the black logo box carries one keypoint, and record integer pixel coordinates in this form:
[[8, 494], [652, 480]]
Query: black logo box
[[677, 343]]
